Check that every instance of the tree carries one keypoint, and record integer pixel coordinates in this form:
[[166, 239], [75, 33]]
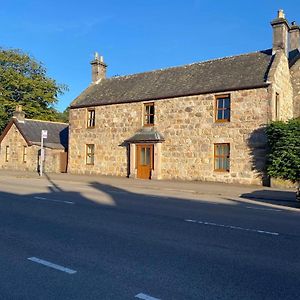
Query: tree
[[23, 81], [63, 116], [284, 151]]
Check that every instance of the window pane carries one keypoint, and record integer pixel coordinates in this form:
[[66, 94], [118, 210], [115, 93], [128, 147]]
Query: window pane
[[152, 109], [143, 156], [220, 115], [227, 114], [217, 163], [227, 102], [226, 149], [219, 103], [147, 160], [227, 164], [151, 119], [149, 114]]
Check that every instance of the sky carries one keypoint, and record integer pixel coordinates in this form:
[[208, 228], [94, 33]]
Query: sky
[[134, 36]]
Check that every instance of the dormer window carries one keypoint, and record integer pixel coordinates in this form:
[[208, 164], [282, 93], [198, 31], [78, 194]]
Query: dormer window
[[90, 118], [149, 114]]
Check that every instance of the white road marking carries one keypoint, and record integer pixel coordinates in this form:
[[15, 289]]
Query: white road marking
[[51, 265], [145, 297], [53, 200], [259, 208], [232, 227]]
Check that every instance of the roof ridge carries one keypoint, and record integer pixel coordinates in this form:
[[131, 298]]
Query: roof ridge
[[45, 121], [182, 66]]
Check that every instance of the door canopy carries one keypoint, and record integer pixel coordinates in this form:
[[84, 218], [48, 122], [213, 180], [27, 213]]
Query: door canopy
[[146, 135]]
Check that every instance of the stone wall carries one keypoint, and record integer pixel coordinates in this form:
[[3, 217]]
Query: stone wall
[[279, 76], [113, 124], [295, 73], [16, 144], [190, 132]]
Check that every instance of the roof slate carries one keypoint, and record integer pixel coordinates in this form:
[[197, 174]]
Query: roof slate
[[57, 133], [146, 134], [224, 74]]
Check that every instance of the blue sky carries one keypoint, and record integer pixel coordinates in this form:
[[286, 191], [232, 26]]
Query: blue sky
[[135, 36]]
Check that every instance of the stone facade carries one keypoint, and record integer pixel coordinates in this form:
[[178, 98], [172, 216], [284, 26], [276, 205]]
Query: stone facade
[[14, 160], [262, 88], [280, 77], [190, 132], [295, 74]]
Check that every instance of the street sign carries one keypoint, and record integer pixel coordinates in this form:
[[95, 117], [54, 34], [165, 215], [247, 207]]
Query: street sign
[[44, 134]]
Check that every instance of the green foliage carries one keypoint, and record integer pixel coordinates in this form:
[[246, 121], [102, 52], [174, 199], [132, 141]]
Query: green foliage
[[23, 81], [284, 150], [63, 116]]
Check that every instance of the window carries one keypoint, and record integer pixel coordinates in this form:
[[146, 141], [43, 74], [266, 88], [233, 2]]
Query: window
[[90, 152], [149, 114], [277, 107], [25, 154], [91, 118], [7, 153], [221, 157], [223, 108]]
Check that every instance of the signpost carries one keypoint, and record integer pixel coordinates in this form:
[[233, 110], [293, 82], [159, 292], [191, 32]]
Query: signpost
[[44, 135]]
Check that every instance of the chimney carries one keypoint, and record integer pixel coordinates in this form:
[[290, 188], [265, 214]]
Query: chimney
[[280, 33], [98, 68], [19, 114], [294, 41]]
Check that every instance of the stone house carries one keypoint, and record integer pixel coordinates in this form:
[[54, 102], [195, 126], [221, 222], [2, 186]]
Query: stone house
[[20, 144], [203, 121]]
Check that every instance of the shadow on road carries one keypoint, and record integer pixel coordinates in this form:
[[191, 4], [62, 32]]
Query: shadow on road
[[283, 198]]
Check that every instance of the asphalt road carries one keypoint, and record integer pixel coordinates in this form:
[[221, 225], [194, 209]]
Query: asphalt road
[[78, 240]]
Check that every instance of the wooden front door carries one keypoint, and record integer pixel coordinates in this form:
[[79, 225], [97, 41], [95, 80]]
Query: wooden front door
[[63, 162], [144, 161]]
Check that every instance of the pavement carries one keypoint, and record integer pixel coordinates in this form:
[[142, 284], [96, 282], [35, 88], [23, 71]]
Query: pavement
[[260, 194]]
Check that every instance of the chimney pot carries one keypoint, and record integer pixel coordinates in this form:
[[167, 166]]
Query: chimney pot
[[19, 114], [280, 33], [98, 68], [294, 38], [281, 14]]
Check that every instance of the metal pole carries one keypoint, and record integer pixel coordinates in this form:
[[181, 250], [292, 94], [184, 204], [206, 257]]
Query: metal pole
[[41, 156]]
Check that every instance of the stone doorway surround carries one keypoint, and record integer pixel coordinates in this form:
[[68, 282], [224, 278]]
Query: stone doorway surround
[[146, 136]]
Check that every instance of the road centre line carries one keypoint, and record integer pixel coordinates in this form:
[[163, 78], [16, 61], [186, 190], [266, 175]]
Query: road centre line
[[260, 208], [145, 297], [51, 265], [232, 227], [53, 200]]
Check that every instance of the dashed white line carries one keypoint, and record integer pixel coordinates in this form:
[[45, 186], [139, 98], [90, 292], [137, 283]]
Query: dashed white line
[[145, 297], [51, 265], [53, 200], [260, 208], [232, 227]]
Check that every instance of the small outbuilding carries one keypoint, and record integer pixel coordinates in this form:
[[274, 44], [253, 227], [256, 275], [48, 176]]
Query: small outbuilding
[[20, 144]]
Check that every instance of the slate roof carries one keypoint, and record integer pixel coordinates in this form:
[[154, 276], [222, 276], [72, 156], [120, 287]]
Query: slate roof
[[293, 57], [219, 75], [146, 134], [57, 133]]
